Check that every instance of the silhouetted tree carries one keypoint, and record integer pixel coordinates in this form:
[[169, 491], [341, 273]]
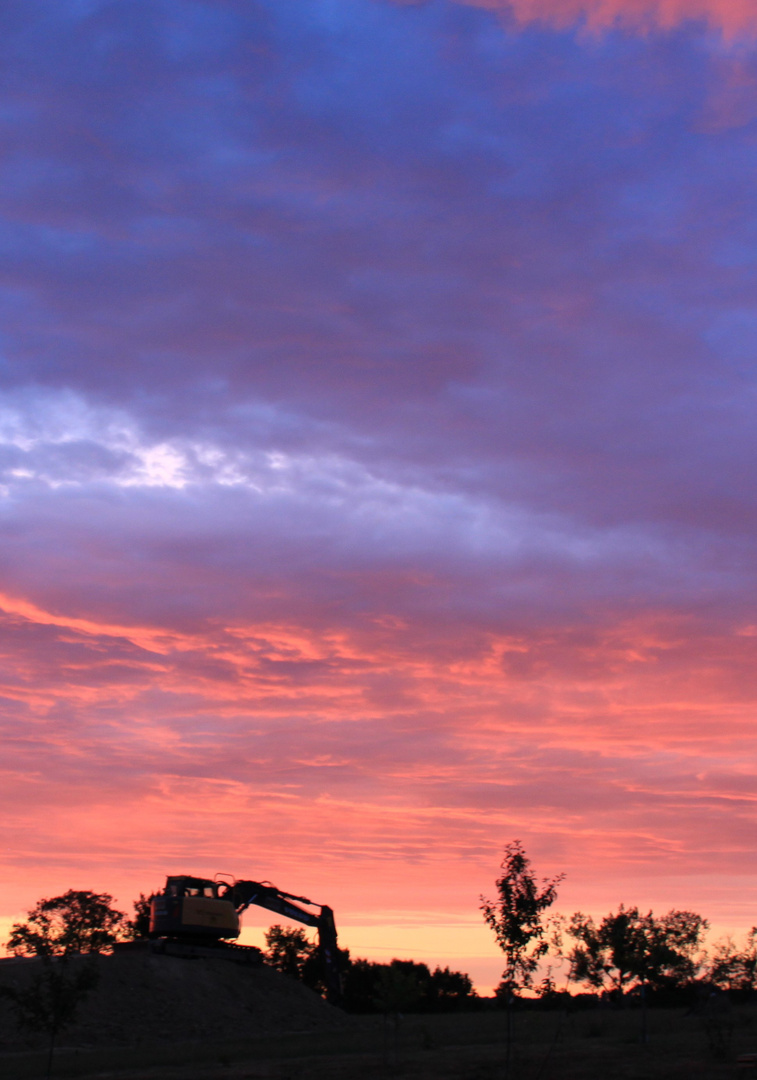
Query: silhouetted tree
[[448, 990], [606, 956], [399, 988], [76, 922], [56, 930], [51, 1001], [139, 926], [628, 950], [517, 916], [676, 941], [731, 968], [314, 972], [517, 919], [288, 950]]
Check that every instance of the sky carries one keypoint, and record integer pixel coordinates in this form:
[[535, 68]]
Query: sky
[[377, 455]]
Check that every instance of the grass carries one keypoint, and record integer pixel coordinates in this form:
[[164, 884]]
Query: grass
[[586, 1044]]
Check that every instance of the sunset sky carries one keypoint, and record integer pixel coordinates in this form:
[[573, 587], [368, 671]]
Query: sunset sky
[[378, 447]]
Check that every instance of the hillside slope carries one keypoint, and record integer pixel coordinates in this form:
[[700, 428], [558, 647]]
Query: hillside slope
[[141, 997]]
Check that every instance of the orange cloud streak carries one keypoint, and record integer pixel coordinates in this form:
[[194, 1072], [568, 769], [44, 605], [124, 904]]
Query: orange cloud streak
[[155, 640], [317, 756]]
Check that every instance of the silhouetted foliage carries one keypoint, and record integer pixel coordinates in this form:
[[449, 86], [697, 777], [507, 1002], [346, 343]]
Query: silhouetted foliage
[[371, 987], [139, 926], [517, 919], [517, 916], [628, 949], [449, 990], [360, 986], [76, 922], [399, 986], [734, 969], [50, 1003], [288, 950]]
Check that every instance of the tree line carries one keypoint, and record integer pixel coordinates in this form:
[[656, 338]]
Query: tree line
[[367, 985], [625, 953]]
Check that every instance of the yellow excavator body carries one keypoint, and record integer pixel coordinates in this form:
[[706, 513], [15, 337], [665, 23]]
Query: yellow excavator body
[[218, 916], [190, 908]]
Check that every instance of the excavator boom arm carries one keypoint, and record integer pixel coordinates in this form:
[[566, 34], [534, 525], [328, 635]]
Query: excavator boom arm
[[263, 894], [244, 893]]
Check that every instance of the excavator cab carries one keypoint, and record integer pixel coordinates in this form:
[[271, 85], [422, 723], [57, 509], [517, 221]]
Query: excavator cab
[[191, 908]]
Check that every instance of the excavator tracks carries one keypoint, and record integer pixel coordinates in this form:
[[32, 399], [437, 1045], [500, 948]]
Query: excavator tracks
[[224, 950]]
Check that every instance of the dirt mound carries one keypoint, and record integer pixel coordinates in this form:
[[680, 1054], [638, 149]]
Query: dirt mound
[[141, 997]]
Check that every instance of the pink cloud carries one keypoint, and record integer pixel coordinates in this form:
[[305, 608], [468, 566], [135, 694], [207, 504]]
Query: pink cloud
[[730, 16]]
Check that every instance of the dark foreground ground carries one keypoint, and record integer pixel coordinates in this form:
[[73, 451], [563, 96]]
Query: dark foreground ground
[[584, 1045]]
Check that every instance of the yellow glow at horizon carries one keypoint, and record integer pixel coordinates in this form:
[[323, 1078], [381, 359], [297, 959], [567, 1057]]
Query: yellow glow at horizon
[[461, 944], [5, 927], [407, 932]]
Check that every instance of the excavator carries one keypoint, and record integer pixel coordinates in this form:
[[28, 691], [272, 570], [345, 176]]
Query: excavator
[[199, 916]]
